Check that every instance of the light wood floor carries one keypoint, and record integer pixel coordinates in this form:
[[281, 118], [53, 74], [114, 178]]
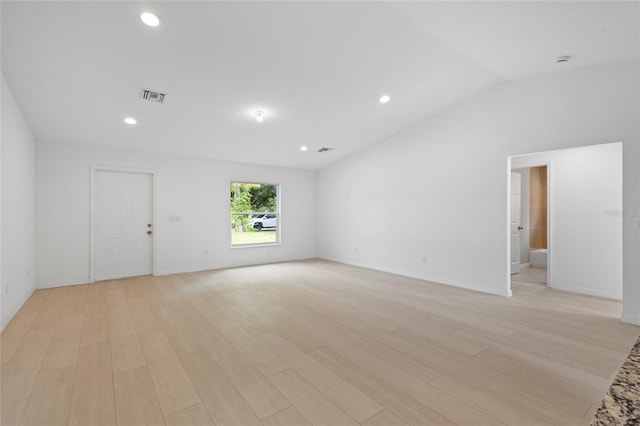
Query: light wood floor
[[307, 343]]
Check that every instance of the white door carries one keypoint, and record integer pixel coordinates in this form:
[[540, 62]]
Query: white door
[[123, 227], [516, 218]]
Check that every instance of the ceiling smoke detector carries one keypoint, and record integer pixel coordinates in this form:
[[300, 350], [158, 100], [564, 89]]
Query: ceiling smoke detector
[[325, 149], [151, 95]]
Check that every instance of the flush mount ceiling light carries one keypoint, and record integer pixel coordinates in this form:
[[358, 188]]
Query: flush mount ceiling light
[[561, 59], [150, 19], [384, 99], [259, 116], [130, 121], [303, 148]]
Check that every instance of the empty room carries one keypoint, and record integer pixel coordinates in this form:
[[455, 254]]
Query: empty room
[[335, 213]]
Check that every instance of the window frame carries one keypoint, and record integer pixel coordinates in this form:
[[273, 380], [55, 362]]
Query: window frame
[[278, 214]]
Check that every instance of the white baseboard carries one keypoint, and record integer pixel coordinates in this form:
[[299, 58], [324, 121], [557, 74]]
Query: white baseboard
[[630, 320], [434, 280], [172, 271], [587, 291], [6, 320], [217, 267], [62, 283]]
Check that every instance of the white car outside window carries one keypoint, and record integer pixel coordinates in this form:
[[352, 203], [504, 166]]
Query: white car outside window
[[267, 221]]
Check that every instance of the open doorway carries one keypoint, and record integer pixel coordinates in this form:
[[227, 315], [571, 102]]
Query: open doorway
[[530, 224], [583, 219]]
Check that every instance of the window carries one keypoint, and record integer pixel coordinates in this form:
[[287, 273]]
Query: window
[[254, 214]]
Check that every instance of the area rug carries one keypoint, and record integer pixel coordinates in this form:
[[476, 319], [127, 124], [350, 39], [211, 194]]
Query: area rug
[[621, 405]]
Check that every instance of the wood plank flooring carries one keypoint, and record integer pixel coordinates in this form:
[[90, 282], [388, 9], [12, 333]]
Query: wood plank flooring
[[307, 343]]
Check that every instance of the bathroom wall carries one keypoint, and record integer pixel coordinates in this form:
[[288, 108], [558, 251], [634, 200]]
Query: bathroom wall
[[538, 207]]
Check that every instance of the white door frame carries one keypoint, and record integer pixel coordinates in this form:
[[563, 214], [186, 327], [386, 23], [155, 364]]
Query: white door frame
[[524, 165], [520, 227], [100, 168]]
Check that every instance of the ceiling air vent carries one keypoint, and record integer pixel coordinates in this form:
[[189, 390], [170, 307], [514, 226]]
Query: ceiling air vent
[[325, 149], [151, 96]]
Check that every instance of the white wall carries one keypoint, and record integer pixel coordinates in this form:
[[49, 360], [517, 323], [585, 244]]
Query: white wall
[[585, 213], [440, 188], [525, 237], [18, 223], [194, 189]]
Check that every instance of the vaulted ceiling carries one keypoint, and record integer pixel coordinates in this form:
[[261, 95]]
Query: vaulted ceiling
[[316, 69]]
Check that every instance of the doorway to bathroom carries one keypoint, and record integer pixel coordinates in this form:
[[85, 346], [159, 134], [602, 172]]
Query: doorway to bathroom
[[529, 212], [577, 230]]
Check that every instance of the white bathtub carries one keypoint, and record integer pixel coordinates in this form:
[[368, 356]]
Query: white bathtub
[[538, 257]]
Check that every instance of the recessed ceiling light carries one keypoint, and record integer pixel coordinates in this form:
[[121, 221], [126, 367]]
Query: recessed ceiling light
[[259, 116], [561, 59], [130, 120], [384, 99], [303, 148], [150, 19]]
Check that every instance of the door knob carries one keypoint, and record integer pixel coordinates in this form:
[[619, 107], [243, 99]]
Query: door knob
[[148, 225], [520, 228], [149, 232]]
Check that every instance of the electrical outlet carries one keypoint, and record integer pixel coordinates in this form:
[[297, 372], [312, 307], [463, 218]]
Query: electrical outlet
[[6, 289], [355, 249], [28, 272], [424, 259], [206, 252]]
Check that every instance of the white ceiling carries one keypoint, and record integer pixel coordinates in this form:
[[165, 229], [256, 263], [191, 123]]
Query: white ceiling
[[317, 69]]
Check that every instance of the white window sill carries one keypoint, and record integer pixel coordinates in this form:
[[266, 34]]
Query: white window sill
[[237, 246]]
